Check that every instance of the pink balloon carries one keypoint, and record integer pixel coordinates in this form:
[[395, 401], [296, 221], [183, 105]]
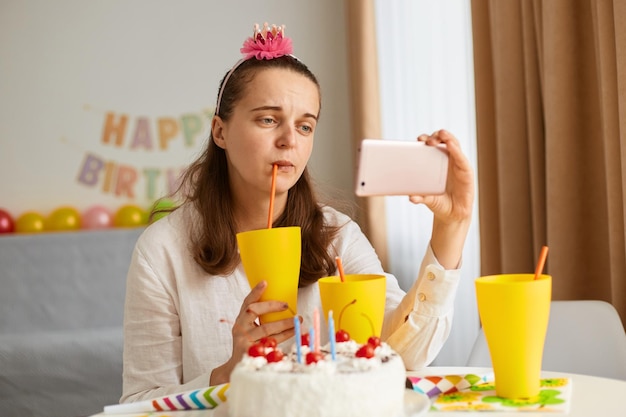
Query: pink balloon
[[97, 217]]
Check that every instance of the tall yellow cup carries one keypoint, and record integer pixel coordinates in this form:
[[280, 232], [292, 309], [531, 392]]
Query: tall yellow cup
[[273, 255], [514, 310], [358, 303]]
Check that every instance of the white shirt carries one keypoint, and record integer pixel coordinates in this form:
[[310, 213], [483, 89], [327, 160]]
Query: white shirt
[[178, 318]]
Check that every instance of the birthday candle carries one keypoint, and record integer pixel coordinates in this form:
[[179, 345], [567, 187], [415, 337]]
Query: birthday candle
[[316, 328], [311, 337], [296, 323], [331, 334]]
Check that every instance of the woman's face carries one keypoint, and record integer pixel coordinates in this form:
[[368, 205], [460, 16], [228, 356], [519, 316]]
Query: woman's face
[[273, 123]]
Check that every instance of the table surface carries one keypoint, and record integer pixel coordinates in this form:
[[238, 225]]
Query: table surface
[[591, 396]]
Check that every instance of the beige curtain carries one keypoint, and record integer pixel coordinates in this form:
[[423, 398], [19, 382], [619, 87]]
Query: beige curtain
[[365, 108], [551, 127]]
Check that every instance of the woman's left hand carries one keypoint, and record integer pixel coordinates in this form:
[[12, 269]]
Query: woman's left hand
[[452, 210], [455, 205]]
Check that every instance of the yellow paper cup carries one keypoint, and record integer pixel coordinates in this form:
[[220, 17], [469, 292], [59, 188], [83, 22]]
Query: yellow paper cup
[[358, 304], [273, 255], [514, 310]]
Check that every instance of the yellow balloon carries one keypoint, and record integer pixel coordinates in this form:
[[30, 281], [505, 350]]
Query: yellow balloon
[[63, 219], [130, 216], [29, 222]]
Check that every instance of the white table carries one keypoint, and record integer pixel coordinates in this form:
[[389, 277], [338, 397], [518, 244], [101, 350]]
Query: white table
[[591, 396]]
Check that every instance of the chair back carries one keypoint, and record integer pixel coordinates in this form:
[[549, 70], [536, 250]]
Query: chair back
[[584, 337]]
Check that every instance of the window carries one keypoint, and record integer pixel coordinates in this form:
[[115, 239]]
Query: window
[[427, 83]]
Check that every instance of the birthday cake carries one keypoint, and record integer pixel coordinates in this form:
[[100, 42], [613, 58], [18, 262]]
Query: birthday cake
[[340, 380]]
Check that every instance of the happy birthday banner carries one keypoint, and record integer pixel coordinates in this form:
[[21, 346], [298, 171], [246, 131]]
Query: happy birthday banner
[[140, 134]]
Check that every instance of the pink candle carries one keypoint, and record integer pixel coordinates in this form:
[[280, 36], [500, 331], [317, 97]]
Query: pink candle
[[316, 328]]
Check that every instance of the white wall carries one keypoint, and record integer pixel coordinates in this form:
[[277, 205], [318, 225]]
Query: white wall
[[66, 64]]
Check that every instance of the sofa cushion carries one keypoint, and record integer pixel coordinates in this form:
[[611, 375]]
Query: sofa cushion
[[64, 281], [60, 374]]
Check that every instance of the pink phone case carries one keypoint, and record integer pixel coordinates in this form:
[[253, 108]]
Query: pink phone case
[[395, 167]]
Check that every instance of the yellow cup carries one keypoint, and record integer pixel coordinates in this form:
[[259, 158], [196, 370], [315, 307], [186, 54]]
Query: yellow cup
[[514, 310], [273, 255], [358, 304]]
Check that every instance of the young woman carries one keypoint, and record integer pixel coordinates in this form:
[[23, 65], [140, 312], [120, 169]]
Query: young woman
[[190, 313]]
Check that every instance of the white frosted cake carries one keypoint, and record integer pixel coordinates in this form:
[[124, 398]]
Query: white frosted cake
[[370, 383]]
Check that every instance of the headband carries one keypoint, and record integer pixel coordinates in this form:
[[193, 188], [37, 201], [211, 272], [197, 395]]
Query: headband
[[266, 43]]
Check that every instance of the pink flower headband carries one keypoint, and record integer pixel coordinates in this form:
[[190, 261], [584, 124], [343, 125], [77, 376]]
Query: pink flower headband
[[267, 43]]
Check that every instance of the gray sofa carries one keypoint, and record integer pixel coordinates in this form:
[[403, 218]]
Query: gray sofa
[[61, 315]]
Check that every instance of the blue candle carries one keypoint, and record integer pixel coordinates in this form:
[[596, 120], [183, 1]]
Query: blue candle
[[331, 334], [311, 339], [296, 325]]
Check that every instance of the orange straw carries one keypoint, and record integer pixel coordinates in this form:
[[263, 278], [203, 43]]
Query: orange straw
[[272, 193], [340, 268], [542, 260]]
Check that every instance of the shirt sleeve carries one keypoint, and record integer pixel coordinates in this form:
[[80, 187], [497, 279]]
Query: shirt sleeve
[[417, 323], [421, 323], [152, 337]]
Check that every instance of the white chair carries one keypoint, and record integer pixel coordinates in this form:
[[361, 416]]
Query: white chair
[[584, 337]]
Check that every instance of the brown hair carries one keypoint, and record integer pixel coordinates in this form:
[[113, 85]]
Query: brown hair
[[205, 184]]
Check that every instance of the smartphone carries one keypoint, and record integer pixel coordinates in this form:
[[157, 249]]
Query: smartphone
[[397, 167]]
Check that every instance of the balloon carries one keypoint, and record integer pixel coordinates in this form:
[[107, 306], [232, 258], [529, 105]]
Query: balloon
[[162, 204], [29, 222], [130, 216], [97, 217], [63, 219], [7, 224]]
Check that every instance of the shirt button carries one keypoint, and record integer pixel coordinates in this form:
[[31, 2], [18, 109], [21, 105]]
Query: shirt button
[[430, 276], [421, 296]]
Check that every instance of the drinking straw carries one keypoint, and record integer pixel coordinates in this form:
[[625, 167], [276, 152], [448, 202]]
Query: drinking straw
[[340, 268], [542, 260], [272, 194]]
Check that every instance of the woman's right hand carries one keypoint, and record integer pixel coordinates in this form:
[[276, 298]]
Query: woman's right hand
[[247, 330]]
